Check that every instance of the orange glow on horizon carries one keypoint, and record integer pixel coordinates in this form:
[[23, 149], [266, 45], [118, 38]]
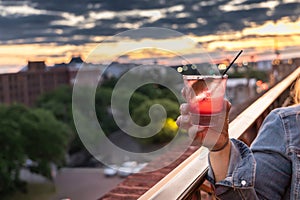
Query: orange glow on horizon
[[282, 27], [257, 38]]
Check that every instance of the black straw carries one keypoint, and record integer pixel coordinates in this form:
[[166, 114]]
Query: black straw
[[232, 62]]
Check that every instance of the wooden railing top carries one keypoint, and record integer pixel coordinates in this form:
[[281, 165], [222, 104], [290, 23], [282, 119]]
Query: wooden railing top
[[241, 123], [178, 182]]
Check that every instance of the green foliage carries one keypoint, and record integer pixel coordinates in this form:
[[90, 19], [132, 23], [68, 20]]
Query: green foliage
[[236, 74], [110, 83], [59, 102], [140, 102], [43, 132], [102, 106], [28, 133], [167, 132], [12, 155], [259, 75], [151, 90], [35, 191], [136, 100], [156, 91], [140, 114]]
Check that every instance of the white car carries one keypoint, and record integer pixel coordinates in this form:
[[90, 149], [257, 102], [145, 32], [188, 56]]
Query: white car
[[139, 167], [127, 168], [130, 167], [110, 170], [125, 171]]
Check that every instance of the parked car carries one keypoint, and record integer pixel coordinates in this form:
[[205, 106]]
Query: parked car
[[127, 168], [139, 167], [124, 171], [110, 170], [130, 167]]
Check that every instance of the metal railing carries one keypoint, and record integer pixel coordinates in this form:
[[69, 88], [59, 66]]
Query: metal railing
[[186, 180]]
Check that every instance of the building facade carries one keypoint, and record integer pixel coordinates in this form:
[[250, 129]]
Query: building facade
[[27, 85], [36, 78]]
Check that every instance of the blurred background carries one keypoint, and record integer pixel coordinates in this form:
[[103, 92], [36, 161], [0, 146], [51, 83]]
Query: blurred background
[[43, 44]]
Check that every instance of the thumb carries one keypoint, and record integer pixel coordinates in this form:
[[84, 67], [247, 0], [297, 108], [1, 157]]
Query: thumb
[[195, 130], [228, 105]]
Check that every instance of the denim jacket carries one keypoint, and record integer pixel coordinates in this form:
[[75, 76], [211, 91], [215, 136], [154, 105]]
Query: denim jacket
[[270, 168]]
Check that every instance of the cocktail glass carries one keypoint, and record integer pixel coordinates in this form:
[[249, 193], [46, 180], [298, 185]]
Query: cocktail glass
[[205, 96]]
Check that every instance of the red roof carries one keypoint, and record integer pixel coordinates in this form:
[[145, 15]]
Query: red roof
[[137, 184]]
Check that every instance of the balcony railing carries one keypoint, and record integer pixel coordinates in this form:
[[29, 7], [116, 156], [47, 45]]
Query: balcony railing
[[186, 180]]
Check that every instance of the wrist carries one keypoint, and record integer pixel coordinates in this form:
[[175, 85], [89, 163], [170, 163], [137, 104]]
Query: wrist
[[219, 161], [221, 147]]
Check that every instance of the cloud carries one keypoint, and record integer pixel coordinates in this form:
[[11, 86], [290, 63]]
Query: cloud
[[292, 10], [81, 21], [26, 27], [76, 7]]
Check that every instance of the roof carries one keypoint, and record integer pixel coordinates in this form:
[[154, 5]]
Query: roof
[[137, 184], [76, 60]]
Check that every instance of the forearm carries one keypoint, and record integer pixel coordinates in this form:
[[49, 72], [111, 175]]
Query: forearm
[[232, 172], [219, 162]]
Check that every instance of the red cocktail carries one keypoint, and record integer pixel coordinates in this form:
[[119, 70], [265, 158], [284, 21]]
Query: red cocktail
[[205, 96]]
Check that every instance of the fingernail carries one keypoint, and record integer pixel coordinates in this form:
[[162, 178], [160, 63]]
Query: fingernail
[[181, 107]]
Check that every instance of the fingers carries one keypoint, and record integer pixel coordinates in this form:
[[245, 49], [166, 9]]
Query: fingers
[[196, 132], [206, 136], [228, 105], [184, 109], [183, 121]]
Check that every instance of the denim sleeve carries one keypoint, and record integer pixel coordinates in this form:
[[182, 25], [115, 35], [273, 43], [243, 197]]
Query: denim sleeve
[[260, 172], [274, 168], [239, 181]]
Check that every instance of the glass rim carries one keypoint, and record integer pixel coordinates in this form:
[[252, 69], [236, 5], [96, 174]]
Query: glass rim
[[202, 77]]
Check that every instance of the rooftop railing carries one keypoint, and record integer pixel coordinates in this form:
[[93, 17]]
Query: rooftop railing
[[186, 180]]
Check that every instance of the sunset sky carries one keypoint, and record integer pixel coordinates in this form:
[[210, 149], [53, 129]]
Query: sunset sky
[[56, 30]]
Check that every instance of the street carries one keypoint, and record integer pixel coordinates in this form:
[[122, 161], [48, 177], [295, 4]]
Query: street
[[83, 183]]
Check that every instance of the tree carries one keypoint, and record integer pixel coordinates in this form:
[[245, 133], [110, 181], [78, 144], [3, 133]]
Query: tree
[[12, 156], [59, 102], [168, 129], [28, 133], [45, 139], [102, 107], [136, 100]]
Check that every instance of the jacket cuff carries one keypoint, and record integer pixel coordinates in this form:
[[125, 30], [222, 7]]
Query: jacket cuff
[[241, 169]]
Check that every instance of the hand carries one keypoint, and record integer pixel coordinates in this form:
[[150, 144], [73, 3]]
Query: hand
[[213, 138]]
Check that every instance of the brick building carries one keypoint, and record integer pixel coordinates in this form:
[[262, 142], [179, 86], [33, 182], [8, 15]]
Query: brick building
[[36, 78], [28, 84]]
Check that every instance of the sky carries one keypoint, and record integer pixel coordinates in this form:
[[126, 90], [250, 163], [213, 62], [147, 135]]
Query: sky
[[56, 30]]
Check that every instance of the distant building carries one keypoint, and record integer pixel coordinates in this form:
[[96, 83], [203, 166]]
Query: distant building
[[239, 90], [116, 69], [281, 68], [265, 65], [28, 84], [36, 78]]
